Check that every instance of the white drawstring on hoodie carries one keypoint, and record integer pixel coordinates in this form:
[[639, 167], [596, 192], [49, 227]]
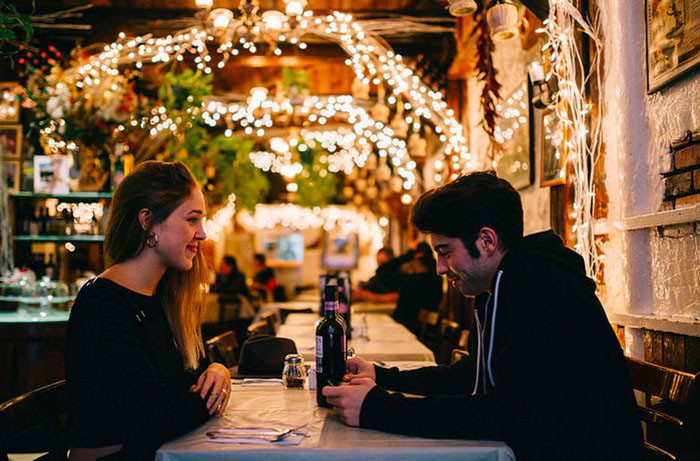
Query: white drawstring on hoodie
[[480, 337]]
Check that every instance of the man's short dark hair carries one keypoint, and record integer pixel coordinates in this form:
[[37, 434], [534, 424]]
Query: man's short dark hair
[[461, 208], [260, 258], [388, 251]]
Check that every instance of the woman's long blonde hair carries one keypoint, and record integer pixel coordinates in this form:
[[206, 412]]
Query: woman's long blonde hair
[[161, 187]]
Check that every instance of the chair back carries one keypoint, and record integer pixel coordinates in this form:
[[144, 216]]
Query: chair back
[[273, 321], [670, 411], [261, 327], [450, 332], [427, 321], [223, 349], [35, 422], [457, 355]]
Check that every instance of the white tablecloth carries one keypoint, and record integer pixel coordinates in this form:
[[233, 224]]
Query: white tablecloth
[[327, 438], [384, 339]]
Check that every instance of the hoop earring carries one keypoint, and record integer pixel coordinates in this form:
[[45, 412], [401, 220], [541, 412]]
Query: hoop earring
[[152, 240]]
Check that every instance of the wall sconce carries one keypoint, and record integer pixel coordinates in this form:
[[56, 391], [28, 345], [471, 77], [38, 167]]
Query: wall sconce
[[273, 20], [219, 19], [544, 91], [462, 7], [502, 18]]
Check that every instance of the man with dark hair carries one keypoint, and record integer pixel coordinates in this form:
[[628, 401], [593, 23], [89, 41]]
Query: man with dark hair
[[545, 372]]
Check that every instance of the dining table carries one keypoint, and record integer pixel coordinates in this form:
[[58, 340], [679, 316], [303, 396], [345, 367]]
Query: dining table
[[319, 434], [375, 337]]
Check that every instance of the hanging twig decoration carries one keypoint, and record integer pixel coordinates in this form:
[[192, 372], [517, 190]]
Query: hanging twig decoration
[[486, 73]]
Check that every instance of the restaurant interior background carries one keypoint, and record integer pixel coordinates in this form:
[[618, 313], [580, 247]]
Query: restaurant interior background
[[313, 139]]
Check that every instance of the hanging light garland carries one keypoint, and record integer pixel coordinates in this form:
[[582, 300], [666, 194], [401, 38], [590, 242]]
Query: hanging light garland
[[572, 106], [291, 216], [369, 58], [221, 220]]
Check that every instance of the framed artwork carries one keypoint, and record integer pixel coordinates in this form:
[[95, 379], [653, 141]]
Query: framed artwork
[[10, 171], [672, 39], [340, 250], [552, 156], [52, 174], [513, 153], [282, 247], [9, 105], [10, 141]]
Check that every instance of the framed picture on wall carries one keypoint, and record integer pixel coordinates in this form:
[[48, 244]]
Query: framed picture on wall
[[10, 141], [672, 39], [282, 247], [513, 153], [9, 105], [552, 156], [10, 172], [340, 250]]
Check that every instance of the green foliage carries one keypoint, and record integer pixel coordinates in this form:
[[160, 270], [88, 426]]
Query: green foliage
[[236, 173], [15, 29], [295, 81], [317, 186], [184, 90]]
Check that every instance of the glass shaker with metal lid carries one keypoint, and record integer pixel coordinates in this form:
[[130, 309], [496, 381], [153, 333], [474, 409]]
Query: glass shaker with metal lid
[[294, 374]]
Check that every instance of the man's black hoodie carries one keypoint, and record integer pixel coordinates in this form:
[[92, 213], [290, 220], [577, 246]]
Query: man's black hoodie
[[552, 383]]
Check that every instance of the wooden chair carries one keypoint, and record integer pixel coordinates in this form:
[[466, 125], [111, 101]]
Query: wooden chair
[[460, 351], [261, 327], [273, 321], [670, 412], [229, 303], [35, 422], [450, 332], [427, 321], [224, 349]]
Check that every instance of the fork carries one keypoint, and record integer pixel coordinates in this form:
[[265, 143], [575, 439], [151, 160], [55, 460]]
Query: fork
[[267, 438]]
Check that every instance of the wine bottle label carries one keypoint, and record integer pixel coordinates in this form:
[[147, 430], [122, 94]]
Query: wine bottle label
[[319, 354], [329, 306]]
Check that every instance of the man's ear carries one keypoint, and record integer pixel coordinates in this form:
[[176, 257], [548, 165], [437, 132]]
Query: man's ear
[[145, 218], [487, 238]]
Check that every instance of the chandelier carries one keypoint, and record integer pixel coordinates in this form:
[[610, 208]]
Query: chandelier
[[252, 28]]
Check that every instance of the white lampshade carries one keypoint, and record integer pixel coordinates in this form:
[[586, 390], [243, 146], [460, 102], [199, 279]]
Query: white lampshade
[[462, 7], [273, 20], [220, 18], [294, 7], [204, 3], [503, 21]]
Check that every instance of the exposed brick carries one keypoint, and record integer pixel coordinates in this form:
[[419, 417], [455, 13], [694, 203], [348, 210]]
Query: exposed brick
[[688, 200], [696, 179], [667, 205], [688, 156], [677, 184]]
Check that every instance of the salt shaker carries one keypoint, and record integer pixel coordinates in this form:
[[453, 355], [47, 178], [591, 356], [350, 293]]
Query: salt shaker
[[294, 374]]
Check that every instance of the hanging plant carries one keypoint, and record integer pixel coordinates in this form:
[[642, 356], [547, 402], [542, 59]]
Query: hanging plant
[[486, 73], [15, 30]]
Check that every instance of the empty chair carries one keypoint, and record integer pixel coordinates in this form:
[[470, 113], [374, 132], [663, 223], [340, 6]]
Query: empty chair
[[35, 422], [223, 349], [670, 412], [273, 321], [428, 327], [450, 332], [460, 351]]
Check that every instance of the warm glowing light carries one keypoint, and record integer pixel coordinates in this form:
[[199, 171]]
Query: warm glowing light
[[294, 7], [273, 20]]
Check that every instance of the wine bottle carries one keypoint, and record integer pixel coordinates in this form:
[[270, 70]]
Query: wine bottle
[[331, 345], [344, 301], [50, 267]]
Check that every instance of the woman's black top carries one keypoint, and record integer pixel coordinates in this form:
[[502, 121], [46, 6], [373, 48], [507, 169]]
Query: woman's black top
[[126, 383]]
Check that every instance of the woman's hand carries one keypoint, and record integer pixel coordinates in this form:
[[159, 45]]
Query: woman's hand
[[215, 381]]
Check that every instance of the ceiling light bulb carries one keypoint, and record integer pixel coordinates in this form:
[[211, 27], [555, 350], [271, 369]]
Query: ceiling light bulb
[[462, 7]]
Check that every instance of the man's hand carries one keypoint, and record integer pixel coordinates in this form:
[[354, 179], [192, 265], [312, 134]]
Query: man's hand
[[215, 381], [359, 368], [347, 399]]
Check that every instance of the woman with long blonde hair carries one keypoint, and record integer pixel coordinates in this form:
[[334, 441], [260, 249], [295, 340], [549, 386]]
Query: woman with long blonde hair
[[136, 372]]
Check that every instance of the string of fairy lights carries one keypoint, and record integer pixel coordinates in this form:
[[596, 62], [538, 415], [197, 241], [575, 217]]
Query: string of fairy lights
[[369, 229], [572, 106], [370, 59]]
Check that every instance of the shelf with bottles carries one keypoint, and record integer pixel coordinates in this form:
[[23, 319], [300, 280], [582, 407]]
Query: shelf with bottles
[[60, 238], [70, 196]]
